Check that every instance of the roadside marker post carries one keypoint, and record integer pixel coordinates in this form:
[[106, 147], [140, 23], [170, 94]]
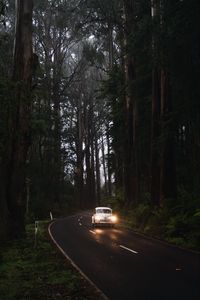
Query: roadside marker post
[[51, 216], [36, 231]]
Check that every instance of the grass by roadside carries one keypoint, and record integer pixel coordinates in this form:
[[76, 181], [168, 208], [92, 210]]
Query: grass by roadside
[[40, 273]]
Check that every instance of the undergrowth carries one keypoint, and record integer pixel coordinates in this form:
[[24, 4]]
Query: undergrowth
[[177, 223], [179, 227], [36, 271]]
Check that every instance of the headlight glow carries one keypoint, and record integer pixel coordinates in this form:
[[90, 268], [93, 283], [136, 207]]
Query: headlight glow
[[97, 218], [114, 218]]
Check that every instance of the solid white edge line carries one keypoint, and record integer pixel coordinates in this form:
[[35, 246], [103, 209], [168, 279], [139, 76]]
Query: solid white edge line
[[74, 265], [135, 252]]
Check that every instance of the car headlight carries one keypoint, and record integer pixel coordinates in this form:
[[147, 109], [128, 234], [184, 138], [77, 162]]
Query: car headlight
[[97, 218], [114, 219]]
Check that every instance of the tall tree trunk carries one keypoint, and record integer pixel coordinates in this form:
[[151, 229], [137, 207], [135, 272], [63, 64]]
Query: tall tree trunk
[[167, 172], [98, 177], [79, 165], [104, 166], [155, 133], [131, 174], [163, 175], [155, 114], [20, 117], [109, 162], [92, 146], [4, 230], [93, 181], [89, 153], [57, 122]]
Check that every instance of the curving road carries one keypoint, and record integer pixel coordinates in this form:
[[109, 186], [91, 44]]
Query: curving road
[[125, 265]]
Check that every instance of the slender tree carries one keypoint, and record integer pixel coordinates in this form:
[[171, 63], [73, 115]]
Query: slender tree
[[155, 117]]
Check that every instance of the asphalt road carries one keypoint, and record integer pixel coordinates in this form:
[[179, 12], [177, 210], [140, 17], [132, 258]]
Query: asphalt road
[[125, 265]]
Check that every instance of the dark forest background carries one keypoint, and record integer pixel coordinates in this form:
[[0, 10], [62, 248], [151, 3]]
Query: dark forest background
[[100, 105]]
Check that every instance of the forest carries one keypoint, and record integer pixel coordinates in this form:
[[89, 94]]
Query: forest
[[100, 105]]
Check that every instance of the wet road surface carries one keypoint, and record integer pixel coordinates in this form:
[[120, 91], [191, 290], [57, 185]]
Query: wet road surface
[[126, 265]]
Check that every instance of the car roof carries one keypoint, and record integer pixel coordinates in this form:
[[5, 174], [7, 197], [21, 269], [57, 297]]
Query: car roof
[[102, 207]]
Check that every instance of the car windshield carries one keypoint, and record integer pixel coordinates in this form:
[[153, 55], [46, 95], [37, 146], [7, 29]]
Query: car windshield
[[103, 211]]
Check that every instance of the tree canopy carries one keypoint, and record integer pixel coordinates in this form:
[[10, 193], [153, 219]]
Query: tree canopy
[[98, 104]]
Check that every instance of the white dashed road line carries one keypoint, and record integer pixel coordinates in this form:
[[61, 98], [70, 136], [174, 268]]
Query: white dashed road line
[[128, 249], [121, 246]]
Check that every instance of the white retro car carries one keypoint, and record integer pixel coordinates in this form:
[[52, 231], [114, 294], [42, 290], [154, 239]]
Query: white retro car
[[103, 216]]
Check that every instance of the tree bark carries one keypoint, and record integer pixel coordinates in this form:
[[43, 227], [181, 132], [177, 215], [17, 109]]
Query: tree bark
[[104, 166], [98, 177], [4, 226], [167, 171], [57, 122], [20, 117], [109, 163], [155, 133], [155, 115], [131, 174], [79, 164], [89, 153]]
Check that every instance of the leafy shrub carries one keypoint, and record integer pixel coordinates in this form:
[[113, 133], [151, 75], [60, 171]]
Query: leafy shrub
[[173, 224]]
